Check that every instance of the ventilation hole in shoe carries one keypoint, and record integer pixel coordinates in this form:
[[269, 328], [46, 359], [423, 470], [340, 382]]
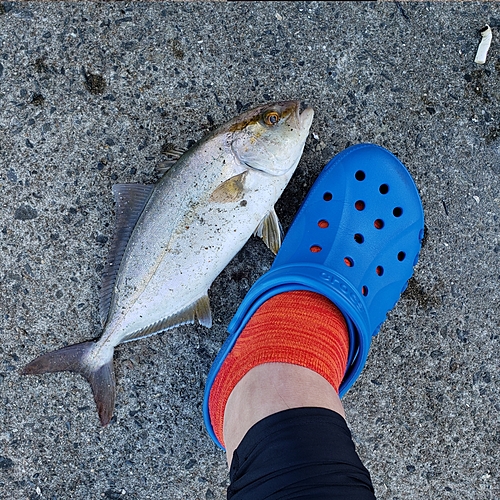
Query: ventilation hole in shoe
[[323, 224], [315, 249], [379, 224], [364, 290], [360, 175], [379, 270], [401, 256], [327, 196], [359, 238], [359, 205], [348, 261], [397, 212], [384, 189]]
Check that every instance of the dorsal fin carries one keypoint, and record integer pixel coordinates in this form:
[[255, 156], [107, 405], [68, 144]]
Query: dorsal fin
[[199, 310], [130, 200], [172, 156]]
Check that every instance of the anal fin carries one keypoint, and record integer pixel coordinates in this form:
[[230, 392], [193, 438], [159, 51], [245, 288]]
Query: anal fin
[[202, 311], [199, 310], [270, 231]]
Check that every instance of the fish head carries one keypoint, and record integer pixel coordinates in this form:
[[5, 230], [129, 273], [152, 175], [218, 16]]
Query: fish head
[[271, 137]]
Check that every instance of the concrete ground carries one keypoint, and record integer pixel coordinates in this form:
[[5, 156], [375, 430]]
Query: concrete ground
[[90, 95]]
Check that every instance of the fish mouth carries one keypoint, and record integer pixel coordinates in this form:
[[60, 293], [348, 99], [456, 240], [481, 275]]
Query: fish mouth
[[304, 115], [303, 106], [300, 114]]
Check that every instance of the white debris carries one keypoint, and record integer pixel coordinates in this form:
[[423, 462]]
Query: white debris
[[316, 136], [278, 17], [484, 46]]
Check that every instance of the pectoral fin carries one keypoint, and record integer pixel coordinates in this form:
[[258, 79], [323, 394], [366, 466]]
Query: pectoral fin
[[231, 190], [270, 231]]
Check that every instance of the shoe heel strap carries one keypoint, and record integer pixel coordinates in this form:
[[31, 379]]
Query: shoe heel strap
[[314, 278]]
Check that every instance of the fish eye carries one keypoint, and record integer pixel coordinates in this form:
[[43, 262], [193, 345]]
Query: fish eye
[[271, 118]]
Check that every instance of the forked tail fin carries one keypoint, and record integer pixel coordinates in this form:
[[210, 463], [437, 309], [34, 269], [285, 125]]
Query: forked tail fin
[[75, 358]]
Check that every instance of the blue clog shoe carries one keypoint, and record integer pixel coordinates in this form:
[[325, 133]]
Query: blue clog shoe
[[355, 240]]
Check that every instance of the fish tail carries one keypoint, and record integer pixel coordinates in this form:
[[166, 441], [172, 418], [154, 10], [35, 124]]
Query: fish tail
[[76, 358]]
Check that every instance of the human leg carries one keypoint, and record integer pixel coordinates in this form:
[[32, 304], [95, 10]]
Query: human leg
[[292, 353], [284, 428], [354, 241]]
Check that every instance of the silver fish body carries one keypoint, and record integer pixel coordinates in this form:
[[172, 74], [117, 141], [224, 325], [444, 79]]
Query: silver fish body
[[175, 238]]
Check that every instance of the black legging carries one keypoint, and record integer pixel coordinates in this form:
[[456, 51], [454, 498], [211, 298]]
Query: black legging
[[302, 453]]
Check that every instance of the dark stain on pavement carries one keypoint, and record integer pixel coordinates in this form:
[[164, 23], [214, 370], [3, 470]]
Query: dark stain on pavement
[[416, 292], [94, 83], [175, 45]]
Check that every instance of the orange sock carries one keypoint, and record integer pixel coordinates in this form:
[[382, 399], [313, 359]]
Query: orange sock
[[302, 328]]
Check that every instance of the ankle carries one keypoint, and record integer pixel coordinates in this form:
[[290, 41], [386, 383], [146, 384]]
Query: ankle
[[294, 328], [270, 388]]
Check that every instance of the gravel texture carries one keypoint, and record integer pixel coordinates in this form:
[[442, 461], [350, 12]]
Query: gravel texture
[[92, 93]]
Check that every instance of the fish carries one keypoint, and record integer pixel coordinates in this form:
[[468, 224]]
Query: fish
[[173, 238]]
